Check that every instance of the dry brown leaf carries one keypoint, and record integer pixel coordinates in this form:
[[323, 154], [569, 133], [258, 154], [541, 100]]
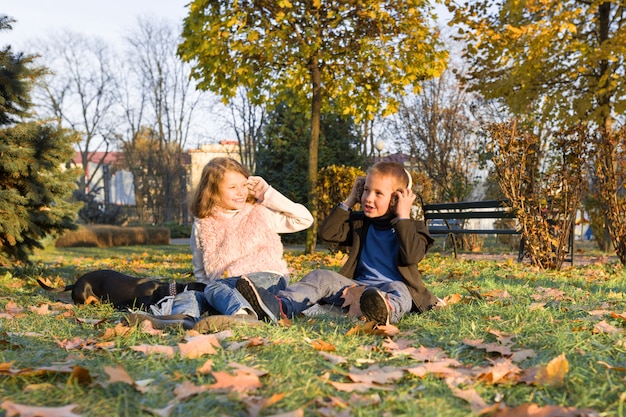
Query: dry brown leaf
[[474, 399], [79, 376], [453, 299], [118, 330], [197, 346], [242, 381], [118, 374], [295, 413], [188, 389], [42, 310], [161, 412], [13, 409], [521, 355], [169, 351], [554, 372], [352, 299], [359, 386], [615, 368], [503, 350], [247, 369], [375, 374], [255, 405], [619, 316], [500, 371], [334, 359], [206, 367], [322, 346], [533, 410], [605, 327]]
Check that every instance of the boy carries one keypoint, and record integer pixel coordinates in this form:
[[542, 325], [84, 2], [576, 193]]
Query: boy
[[385, 248]]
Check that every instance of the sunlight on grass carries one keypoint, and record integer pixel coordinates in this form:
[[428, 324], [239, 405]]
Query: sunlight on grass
[[501, 315]]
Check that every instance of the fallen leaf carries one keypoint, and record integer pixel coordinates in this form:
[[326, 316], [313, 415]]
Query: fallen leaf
[[13, 409], [168, 351], [321, 345], [605, 327], [528, 410], [352, 299], [255, 405], [118, 374], [334, 359], [206, 367], [242, 381], [198, 346], [554, 372], [375, 374]]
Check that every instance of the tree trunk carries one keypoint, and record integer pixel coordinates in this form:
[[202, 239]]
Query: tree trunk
[[316, 110]]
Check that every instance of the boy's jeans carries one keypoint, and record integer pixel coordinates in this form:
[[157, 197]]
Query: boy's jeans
[[327, 287], [221, 296]]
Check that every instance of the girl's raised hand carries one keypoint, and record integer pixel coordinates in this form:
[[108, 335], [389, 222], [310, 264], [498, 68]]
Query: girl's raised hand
[[257, 186]]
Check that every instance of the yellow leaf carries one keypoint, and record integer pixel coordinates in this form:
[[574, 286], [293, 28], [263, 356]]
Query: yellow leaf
[[554, 372]]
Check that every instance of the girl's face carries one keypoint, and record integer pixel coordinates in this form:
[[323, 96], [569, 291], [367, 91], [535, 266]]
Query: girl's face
[[233, 191], [377, 194]]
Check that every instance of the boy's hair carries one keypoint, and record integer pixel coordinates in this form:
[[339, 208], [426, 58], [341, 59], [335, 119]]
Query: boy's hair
[[394, 170], [207, 194]]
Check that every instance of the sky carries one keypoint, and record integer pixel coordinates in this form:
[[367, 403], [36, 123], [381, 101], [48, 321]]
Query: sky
[[109, 19]]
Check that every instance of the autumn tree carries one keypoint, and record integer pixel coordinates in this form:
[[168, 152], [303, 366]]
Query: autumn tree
[[158, 96], [556, 62], [34, 186], [360, 54], [78, 92], [436, 130]]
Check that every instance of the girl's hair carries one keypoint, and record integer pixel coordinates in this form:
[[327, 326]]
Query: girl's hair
[[393, 169], [207, 194]]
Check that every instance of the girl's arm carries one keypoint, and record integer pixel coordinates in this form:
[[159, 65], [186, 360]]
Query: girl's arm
[[196, 256], [285, 215]]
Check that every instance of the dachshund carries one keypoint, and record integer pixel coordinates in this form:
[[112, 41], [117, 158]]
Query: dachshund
[[121, 290]]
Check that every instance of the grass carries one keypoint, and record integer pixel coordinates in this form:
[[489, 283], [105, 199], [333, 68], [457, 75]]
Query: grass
[[499, 303]]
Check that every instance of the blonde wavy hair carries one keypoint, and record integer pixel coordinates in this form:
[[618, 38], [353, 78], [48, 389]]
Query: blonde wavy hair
[[207, 194]]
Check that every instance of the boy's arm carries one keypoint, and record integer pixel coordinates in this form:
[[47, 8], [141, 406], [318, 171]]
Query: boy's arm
[[413, 241], [336, 227]]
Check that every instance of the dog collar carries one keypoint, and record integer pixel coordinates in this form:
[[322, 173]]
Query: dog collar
[[173, 288]]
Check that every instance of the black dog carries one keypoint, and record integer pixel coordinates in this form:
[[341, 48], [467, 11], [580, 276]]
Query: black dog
[[121, 290]]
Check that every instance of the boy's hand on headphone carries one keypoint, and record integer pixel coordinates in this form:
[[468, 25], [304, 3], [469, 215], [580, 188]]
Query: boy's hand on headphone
[[405, 202], [355, 193], [257, 186]]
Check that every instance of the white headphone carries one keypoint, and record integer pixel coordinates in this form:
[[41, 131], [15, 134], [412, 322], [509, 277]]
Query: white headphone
[[408, 174]]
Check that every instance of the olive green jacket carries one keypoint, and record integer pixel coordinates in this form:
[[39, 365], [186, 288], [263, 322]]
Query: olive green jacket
[[349, 228]]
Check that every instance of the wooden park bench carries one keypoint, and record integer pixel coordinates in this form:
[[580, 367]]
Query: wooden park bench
[[450, 219]]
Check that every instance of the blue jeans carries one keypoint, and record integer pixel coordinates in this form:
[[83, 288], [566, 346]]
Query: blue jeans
[[221, 296], [326, 287]]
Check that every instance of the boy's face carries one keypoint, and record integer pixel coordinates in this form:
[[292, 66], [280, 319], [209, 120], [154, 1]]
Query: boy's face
[[377, 194]]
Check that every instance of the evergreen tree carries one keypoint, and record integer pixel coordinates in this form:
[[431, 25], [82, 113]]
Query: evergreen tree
[[283, 153], [34, 185]]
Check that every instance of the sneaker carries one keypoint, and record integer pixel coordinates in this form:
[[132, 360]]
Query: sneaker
[[218, 323], [161, 322], [265, 304], [375, 306]]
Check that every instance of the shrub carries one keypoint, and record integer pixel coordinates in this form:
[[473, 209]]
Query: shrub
[[105, 236]]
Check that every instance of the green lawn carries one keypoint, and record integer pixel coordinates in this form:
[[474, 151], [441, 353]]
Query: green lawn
[[512, 338]]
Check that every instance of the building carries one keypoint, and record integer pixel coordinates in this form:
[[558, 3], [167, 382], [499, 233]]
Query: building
[[110, 184]]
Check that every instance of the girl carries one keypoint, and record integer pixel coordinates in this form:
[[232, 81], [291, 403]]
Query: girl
[[237, 221]]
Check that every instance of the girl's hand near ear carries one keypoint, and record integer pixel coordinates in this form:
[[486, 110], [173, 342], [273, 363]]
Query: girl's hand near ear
[[405, 203], [257, 186]]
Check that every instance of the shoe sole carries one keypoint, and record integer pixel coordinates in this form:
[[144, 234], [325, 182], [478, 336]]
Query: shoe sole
[[374, 306], [249, 292]]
